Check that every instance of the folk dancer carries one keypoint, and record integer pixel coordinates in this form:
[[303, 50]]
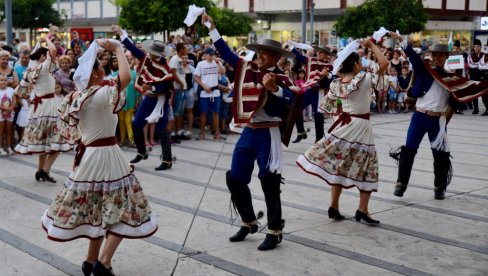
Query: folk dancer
[[155, 81], [435, 90], [318, 80], [261, 96]]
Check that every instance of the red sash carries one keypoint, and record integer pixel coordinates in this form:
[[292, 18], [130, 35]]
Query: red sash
[[38, 100], [80, 149], [345, 118]]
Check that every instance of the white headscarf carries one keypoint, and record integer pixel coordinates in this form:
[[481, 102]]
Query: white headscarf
[[343, 54], [85, 66]]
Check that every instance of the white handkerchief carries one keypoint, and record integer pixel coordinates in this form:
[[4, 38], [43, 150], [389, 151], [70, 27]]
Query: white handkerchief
[[249, 56], [343, 54], [193, 13], [302, 46], [380, 33], [85, 66]]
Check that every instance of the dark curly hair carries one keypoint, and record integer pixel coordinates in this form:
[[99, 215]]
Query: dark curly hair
[[349, 63]]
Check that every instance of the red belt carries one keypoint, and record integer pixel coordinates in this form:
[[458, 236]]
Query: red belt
[[345, 118], [38, 100], [80, 149]]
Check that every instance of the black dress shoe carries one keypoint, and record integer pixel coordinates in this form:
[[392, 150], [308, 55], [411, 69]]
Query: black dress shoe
[[45, 176], [400, 190], [100, 270], [87, 268], [182, 137], [138, 158], [439, 193], [38, 176], [300, 137], [476, 112], [243, 232], [270, 242], [363, 216], [334, 214], [165, 165], [485, 113]]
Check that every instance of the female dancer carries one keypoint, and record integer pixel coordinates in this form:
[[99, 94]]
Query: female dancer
[[41, 136], [101, 198], [346, 156]]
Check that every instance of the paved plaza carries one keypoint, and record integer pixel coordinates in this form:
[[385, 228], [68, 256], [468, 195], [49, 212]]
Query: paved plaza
[[417, 235]]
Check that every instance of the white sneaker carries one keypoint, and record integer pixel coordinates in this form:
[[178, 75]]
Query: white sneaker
[[187, 133], [10, 151], [3, 153]]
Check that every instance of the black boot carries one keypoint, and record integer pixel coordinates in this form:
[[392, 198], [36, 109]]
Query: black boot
[[166, 156], [241, 198], [442, 169], [140, 145], [273, 238], [243, 232], [300, 137], [405, 164], [271, 187]]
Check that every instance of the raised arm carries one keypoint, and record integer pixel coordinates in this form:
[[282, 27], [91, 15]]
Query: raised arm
[[300, 58], [136, 52], [382, 61], [124, 69], [224, 50]]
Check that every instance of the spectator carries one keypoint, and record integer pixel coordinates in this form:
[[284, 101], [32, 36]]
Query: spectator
[[21, 66], [78, 51], [7, 70], [225, 113], [403, 87], [180, 85], [206, 75], [64, 74], [71, 54], [75, 38], [104, 59], [190, 93], [392, 90], [7, 114]]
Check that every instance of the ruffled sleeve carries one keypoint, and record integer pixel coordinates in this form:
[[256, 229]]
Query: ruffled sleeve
[[68, 125], [116, 97], [328, 104]]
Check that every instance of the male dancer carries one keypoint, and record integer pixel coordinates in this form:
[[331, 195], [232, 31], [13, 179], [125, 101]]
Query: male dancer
[[318, 79], [155, 81], [432, 112], [261, 96], [474, 63]]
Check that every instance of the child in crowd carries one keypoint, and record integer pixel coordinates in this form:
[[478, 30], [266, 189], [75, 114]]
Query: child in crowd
[[7, 114], [393, 90], [403, 86], [58, 92]]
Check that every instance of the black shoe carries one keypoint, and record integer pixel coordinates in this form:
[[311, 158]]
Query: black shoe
[[45, 176], [87, 268], [363, 216], [485, 113], [476, 112], [100, 270], [270, 242], [165, 165], [334, 214], [182, 137], [243, 232], [38, 176], [138, 158], [300, 137], [399, 189], [439, 193]]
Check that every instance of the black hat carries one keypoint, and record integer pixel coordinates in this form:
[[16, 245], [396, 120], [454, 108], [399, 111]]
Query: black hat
[[477, 42], [457, 43], [439, 48], [272, 45], [154, 47], [322, 48]]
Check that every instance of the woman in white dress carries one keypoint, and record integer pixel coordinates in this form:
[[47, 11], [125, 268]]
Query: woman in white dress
[[346, 157], [101, 198], [41, 135]]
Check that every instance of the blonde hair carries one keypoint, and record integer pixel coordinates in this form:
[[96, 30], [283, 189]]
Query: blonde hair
[[4, 53], [65, 58]]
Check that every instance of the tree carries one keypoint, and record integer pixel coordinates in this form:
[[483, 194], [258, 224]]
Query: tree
[[31, 14], [407, 16], [147, 16]]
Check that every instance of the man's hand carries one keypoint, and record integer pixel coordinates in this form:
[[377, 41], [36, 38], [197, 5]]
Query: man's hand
[[269, 82], [396, 36], [207, 18], [325, 71], [207, 89], [146, 87]]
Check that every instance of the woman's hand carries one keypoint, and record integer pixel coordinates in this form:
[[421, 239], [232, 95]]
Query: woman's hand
[[109, 44], [367, 43], [206, 18]]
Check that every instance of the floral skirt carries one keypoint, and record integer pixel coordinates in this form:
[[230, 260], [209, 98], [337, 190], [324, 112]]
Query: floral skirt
[[95, 209], [345, 157], [42, 134]]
